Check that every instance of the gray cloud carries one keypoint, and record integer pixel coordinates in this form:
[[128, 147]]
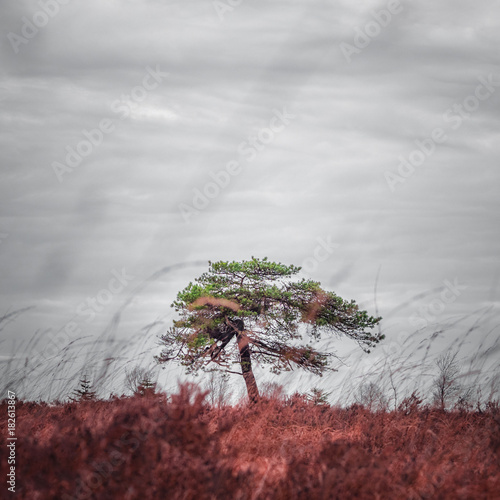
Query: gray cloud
[[323, 175]]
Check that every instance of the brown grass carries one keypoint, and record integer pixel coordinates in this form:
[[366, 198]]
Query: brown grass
[[181, 448]]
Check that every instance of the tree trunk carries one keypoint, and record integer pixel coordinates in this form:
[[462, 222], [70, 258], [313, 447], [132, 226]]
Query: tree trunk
[[246, 361]]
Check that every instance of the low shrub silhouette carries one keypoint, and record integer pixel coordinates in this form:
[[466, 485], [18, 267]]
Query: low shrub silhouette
[[289, 448]]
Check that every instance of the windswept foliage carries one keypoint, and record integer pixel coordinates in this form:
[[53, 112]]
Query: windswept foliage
[[257, 303]]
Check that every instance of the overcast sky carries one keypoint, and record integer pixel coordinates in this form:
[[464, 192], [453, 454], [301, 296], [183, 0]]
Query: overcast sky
[[355, 138]]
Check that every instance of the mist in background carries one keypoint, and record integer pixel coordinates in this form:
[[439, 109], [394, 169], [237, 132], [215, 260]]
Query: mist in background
[[141, 139]]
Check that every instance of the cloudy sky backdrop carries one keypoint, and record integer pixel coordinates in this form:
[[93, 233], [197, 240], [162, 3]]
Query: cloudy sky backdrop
[[361, 140]]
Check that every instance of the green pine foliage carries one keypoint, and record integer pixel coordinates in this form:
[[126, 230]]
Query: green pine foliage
[[260, 304], [84, 391]]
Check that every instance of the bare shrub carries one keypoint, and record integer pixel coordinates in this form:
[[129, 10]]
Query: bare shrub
[[445, 386], [371, 396]]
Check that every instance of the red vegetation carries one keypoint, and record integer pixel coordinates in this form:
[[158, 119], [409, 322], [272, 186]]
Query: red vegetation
[[151, 448]]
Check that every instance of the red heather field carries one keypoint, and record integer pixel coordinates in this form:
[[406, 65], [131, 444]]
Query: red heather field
[[181, 448]]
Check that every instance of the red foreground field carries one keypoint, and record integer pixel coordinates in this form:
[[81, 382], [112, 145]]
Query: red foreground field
[[151, 448]]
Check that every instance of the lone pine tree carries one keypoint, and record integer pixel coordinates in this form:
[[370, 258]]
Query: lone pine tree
[[84, 391], [260, 306]]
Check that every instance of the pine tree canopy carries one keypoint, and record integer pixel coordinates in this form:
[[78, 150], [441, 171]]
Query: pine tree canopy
[[258, 304]]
